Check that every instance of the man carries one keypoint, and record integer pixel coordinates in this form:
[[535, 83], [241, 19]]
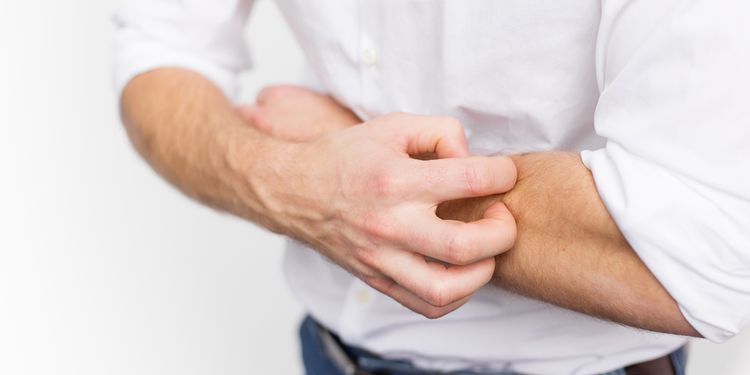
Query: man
[[624, 198]]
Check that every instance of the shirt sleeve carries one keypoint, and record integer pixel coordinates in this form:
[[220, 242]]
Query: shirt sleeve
[[204, 36], [674, 109]]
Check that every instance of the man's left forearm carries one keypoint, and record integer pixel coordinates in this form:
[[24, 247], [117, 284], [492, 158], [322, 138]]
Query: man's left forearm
[[569, 252]]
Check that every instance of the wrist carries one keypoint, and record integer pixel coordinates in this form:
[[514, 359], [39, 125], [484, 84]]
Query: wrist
[[253, 166]]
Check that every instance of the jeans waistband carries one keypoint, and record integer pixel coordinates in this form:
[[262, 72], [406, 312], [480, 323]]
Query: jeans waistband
[[324, 353]]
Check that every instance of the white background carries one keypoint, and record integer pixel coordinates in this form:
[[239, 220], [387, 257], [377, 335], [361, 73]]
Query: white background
[[104, 268]]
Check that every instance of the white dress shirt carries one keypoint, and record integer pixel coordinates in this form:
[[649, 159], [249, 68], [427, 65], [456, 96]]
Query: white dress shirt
[[654, 93]]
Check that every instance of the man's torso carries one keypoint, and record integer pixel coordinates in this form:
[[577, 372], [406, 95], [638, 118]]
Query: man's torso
[[521, 76]]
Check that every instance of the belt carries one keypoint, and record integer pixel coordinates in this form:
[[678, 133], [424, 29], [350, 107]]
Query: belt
[[341, 356], [660, 366]]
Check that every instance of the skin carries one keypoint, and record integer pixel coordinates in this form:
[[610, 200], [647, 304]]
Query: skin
[[568, 252], [355, 194]]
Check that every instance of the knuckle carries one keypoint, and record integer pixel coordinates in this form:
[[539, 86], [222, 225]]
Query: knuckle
[[366, 256], [433, 313], [475, 182], [420, 240], [438, 295], [453, 250], [383, 285], [373, 225], [459, 250], [385, 184], [372, 279]]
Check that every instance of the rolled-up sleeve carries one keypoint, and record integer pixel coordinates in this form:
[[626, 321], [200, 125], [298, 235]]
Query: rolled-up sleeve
[[204, 36], [674, 108]]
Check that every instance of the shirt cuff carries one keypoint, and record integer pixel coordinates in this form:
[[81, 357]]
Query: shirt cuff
[[135, 58], [681, 233]]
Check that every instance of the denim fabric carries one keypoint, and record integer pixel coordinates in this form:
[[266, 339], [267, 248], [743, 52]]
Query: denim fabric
[[314, 358], [317, 362]]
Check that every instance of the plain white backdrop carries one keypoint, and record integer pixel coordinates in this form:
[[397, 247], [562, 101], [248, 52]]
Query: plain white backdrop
[[104, 268]]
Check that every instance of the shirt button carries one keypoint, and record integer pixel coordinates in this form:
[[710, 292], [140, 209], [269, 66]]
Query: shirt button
[[369, 56], [362, 296]]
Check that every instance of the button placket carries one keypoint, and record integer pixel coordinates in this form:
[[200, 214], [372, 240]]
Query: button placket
[[359, 299], [370, 57]]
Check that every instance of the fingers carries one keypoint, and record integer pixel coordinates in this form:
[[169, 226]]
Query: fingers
[[434, 289], [417, 134], [403, 228], [278, 94], [433, 282], [309, 106], [254, 116], [477, 176], [462, 243], [412, 301], [454, 175], [249, 113]]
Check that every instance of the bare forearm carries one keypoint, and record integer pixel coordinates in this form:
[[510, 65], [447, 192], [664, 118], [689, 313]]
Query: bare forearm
[[320, 190], [191, 135], [570, 253]]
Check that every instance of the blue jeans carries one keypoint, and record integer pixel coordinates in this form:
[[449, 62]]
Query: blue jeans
[[317, 362]]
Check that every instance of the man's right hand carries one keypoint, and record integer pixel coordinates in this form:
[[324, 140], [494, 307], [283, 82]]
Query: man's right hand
[[358, 197], [354, 194]]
